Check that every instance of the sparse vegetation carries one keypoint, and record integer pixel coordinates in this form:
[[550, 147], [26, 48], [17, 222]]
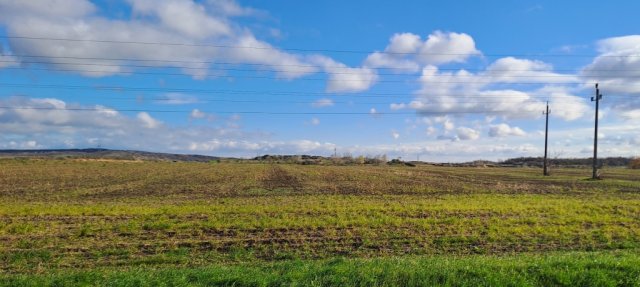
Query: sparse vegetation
[[86, 222], [635, 163]]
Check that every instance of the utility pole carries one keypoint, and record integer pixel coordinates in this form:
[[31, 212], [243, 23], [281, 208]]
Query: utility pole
[[595, 135], [545, 165]]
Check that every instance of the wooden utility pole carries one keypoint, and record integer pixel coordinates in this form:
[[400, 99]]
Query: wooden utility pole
[[595, 135], [545, 165]]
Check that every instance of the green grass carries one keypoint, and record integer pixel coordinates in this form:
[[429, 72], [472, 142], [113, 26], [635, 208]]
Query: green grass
[[554, 269], [66, 219]]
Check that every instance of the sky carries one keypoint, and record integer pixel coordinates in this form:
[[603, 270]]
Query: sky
[[441, 81]]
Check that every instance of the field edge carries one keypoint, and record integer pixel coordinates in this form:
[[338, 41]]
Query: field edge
[[599, 268]]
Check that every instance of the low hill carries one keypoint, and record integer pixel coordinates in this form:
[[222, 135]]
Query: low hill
[[109, 154], [98, 153]]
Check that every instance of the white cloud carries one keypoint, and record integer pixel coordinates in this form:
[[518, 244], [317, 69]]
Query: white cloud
[[183, 17], [617, 68], [448, 125], [406, 51], [504, 130], [148, 121], [321, 103], [510, 69], [404, 43], [395, 107], [232, 8], [383, 60], [631, 114], [197, 114], [83, 126], [188, 22], [245, 147], [26, 144], [106, 127], [315, 121], [343, 78], [47, 8], [465, 133], [463, 92], [440, 48], [567, 106]]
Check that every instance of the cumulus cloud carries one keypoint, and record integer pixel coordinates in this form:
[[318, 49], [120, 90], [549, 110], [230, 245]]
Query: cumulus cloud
[[440, 48], [504, 130], [464, 92], [59, 124], [148, 121], [382, 60], [569, 107], [343, 78], [488, 91], [397, 106], [616, 68], [192, 24], [510, 69], [191, 34], [465, 133], [448, 125], [44, 8], [245, 147], [407, 51], [184, 17], [55, 123]]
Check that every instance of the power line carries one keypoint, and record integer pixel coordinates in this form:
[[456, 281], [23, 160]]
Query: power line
[[302, 78], [103, 110], [212, 45], [474, 100], [173, 61], [270, 113], [487, 73], [237, 93]]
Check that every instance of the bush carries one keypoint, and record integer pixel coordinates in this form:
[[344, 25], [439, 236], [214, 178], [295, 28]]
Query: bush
[[635, 163]]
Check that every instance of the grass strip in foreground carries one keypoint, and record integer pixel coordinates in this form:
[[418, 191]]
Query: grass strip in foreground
[[611, 268]]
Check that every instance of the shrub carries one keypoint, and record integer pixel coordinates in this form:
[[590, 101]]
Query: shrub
[[635, 163]]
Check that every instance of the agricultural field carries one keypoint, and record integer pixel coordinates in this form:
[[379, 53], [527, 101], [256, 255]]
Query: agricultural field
[[143, 223]]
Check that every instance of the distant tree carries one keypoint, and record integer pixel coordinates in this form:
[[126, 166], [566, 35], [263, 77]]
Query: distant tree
[[635, 163]]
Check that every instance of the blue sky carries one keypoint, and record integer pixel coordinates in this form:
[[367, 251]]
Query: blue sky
[[438, 80]]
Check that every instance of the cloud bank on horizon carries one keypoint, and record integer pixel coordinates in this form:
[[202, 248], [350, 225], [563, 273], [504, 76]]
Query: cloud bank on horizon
[[437, 95]]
